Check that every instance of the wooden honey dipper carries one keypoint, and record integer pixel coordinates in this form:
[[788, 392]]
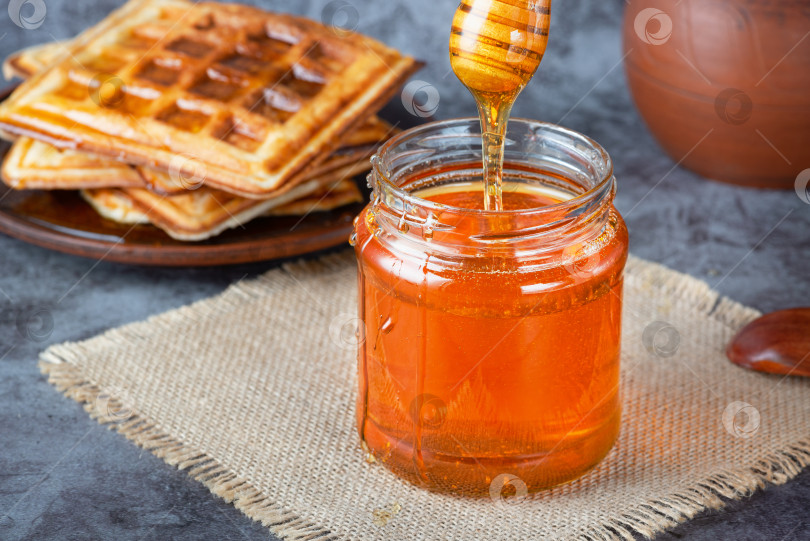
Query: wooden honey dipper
[[495, 48]]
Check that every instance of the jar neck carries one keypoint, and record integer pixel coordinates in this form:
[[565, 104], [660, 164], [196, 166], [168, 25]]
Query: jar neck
[[571, 171], [452, 231]]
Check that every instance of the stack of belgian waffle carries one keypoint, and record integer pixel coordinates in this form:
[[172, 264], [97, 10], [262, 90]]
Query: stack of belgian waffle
[[197, 117]]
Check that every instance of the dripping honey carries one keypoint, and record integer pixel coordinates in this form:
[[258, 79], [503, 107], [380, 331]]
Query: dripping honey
[[495, 49], [493, 363]]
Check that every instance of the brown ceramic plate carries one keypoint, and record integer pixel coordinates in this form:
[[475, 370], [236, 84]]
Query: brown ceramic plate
[[62, 221]]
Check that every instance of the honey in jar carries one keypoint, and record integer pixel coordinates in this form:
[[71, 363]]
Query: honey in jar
[[489, 344]]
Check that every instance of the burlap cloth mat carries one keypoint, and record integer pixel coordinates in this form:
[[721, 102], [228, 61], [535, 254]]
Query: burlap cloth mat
[[252, 393]]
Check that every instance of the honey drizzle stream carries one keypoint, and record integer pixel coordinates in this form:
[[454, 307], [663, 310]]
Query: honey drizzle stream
[[495, 48], [494, 116]]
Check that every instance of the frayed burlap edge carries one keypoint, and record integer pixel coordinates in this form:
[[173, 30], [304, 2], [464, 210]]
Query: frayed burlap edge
[[60, 364]]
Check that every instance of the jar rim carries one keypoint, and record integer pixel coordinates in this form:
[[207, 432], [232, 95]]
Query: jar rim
[[600, 189]]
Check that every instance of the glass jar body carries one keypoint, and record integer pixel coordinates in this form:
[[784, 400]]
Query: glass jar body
[[493, 356]]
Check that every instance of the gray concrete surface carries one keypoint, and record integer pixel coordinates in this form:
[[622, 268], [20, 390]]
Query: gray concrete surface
[[62, 476]]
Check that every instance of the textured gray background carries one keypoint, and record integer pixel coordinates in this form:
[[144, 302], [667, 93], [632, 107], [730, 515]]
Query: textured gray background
[[62, 476]]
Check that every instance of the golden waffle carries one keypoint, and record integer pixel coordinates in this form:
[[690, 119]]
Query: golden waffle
[[189, 214], [251, 97], [344, 192], [163, 183], [32, 164], [36, 165], [114, 205], [358, 146], [203, 213], [25, 63]]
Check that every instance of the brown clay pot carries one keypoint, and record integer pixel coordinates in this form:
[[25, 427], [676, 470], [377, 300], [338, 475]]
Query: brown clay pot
[[724, 85]]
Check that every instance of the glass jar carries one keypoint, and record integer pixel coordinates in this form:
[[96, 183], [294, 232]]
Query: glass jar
[[489, 343]]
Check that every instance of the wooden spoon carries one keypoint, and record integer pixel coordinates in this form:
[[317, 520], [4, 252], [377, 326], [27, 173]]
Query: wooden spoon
[[776, 343]]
